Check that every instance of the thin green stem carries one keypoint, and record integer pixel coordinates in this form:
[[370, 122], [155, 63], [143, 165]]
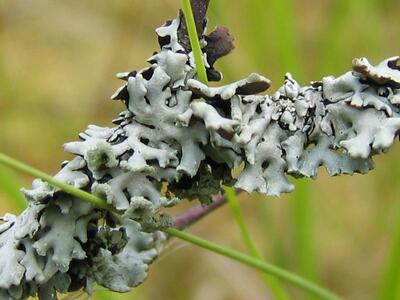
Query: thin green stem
[[276, 288], [389, 285], [287, 276], [302, 216], [194, 41], [234, 205], [15, 164]]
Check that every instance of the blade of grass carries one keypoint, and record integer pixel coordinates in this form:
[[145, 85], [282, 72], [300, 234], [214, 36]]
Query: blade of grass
[[266, 213], [292, 278], [234, 205], [250, 261], [389, 285], [272, 283], [302, 211], [15, 164], [194, 41], [11, 188]]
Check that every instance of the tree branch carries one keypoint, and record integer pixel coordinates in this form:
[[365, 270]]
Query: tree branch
[[197, 212]]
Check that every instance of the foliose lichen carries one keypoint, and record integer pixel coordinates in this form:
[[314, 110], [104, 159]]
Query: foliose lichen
[[167, 146]]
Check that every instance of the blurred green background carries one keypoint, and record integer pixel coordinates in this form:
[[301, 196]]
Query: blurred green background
[[57, 66]]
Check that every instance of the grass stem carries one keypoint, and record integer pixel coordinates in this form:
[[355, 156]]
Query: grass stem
[[255, 263], [17, 165], [303, 228], [272, 283], [389, 284], [194, 41]]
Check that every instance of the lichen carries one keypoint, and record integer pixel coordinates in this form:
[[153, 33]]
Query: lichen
[[167, 146]]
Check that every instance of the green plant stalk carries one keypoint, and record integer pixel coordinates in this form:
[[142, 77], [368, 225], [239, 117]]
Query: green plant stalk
[[10, 186], [255, 263], [194, 41], [265, 215], [272, 283], [15, 164], [389, 285], [235, 255], [302, 210]]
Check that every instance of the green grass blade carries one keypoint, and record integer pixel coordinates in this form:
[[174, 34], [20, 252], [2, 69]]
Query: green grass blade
[[11, 188], [255, 263], [17, 165], [194, 41], [265, 214], [234, 205], [272, 283], [302, 213], [389, 285]]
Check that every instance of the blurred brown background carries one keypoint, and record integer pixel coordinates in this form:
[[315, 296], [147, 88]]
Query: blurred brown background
[[57, 66]]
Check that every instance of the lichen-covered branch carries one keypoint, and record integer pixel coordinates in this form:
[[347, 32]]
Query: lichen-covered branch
[[166, 147]]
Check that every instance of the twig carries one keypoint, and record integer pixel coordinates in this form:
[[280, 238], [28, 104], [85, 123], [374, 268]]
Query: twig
[[194, 214]]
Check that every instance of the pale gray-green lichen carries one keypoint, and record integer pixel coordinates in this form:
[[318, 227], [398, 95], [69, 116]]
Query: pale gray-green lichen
[[166, 140]]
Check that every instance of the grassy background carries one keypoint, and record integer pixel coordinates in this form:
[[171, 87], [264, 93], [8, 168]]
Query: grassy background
[[56, 74]]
